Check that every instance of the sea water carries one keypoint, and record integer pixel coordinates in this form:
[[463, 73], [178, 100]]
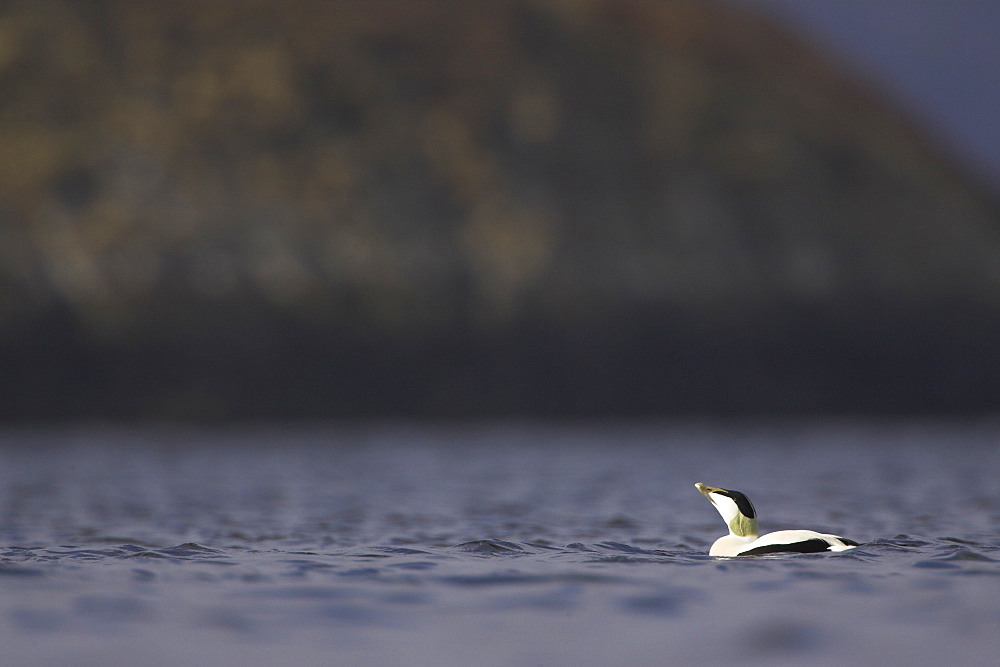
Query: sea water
[[496, 545]]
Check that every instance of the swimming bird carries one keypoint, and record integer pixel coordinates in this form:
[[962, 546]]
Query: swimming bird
[[742, 540]]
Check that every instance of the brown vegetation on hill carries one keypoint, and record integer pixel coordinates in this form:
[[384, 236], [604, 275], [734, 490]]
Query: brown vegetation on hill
[[345, 209]]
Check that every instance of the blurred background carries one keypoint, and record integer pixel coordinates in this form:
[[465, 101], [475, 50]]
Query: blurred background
[[282, 210]]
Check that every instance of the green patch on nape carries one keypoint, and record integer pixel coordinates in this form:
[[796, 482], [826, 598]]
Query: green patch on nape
[[743, 526]]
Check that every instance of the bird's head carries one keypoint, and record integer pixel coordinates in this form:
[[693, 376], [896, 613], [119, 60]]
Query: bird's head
[[736, 509]]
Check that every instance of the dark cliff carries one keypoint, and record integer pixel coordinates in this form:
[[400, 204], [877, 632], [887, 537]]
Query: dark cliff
[[231, 210]]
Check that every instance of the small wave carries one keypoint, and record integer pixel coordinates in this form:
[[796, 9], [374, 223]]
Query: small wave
[[959, 540], [186, 551], [620, 559], [491, 548], [627, 548], [402, 551], [10, 570], [966, 560], [657, 604], [968, 555], [521, 578]]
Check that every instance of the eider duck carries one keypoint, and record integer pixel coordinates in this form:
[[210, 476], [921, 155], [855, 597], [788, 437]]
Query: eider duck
[[737, 511]]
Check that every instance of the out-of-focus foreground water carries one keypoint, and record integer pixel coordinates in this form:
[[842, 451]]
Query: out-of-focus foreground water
[[495, 545]]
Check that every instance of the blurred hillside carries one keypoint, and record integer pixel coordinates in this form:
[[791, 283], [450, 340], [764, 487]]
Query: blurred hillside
[[231, 210]]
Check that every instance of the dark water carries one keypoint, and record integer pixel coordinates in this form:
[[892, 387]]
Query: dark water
[[495, 545]]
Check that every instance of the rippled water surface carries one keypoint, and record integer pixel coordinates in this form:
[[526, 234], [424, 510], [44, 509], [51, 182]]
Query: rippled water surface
[[495, 545]]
